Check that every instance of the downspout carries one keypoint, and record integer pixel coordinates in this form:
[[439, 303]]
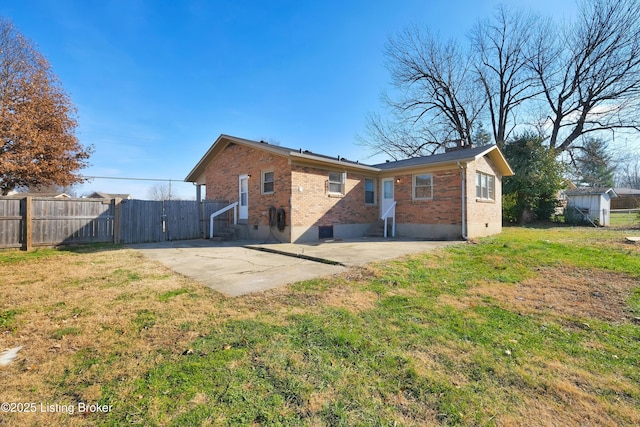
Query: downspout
[[464, 201]]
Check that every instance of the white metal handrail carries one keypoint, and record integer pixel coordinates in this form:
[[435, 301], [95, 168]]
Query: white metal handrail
[[233, 206], [390, 212]]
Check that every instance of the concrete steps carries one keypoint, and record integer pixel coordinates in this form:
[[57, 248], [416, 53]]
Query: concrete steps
[[377, 229], [233, 232]]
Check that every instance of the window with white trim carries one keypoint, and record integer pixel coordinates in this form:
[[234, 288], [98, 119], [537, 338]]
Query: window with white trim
[[267, 182], [423, 187], [485, 186], [336, 182], [369, 191]]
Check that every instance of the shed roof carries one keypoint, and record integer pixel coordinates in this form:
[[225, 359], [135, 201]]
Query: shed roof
[[584, 191]]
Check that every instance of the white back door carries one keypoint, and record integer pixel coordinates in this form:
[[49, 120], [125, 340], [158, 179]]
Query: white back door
[[243, 197], [386, 195]]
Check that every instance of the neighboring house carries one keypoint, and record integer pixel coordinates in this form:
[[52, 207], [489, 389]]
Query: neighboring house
[[108, 196], [55, 195], [590, 204], [628, 198], [453, 195]]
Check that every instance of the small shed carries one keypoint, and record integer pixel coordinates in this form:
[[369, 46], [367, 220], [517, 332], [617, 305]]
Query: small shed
[[590, 204]]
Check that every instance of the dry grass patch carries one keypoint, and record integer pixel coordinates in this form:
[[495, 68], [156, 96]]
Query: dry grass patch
[[439, 361], [350, 299], [461, 302], [90, 318], [483, 334], [537, 410], [564, 291], [572, 397]]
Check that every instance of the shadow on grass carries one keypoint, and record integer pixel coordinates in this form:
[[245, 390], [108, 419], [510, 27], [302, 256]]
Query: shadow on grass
[[538, 225], [548, 225], [89, 248]]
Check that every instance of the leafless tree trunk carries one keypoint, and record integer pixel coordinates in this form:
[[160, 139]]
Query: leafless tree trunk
[[582, 78], [438, 103], [590, 73], [502, 49]]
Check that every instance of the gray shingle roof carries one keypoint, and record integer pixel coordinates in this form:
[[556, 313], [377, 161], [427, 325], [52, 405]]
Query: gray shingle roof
[[464, 154], [589, 190], [451, 156]]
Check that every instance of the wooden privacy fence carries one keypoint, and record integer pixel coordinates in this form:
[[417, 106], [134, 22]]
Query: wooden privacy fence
[[30, 221]]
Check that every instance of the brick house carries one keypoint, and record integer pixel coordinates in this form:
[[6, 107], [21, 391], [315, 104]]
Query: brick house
[[300, 196]]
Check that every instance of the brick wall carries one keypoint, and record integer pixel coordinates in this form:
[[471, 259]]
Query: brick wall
[[484, 217], [235, 160], [444, 208], [303, 192], [314, 206]]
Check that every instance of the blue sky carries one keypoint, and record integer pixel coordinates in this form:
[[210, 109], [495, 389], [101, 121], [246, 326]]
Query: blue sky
[[156, 81]]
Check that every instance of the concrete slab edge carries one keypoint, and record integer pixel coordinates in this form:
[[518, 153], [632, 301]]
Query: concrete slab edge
[[294, 255]]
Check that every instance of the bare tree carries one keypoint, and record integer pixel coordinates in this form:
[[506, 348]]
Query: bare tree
[[628, 172], [581, 78], [438, 104], [502, 49], [590, 72], [52, 188], [160, 191], [397, 139], [38, 146]]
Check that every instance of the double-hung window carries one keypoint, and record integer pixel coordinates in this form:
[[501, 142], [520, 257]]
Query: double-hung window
[[267, 182], [423, 187], [485, 186], [336, 182], [369, 191]]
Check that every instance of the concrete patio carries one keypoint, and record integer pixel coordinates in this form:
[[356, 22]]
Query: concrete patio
[[240, 267]]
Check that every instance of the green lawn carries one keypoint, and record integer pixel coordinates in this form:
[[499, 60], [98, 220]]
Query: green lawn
[[625, 219], [536, 326]]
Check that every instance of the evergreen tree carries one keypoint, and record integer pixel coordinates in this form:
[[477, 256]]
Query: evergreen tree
[[594, 166], [531, 194], [481, 137]]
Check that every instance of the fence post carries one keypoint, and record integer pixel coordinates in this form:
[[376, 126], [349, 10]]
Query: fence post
[[117, 219], [27, 223]]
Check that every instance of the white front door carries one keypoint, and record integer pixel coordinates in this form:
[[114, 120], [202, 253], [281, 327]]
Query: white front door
[[386, 195], [243, 197]]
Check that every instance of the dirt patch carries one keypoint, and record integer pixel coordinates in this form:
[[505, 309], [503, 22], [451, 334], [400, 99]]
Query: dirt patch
[[568, 292], [363, 274]]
